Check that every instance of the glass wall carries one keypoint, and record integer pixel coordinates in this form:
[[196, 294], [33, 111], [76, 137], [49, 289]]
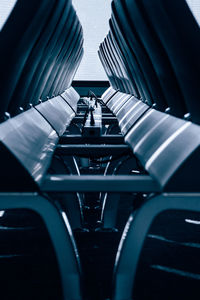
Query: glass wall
[[195, 7], [94, 16], [5, 9]]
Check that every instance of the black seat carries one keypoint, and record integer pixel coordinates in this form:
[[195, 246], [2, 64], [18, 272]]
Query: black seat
[[65, 60], [29, 267], [108, 94], [158, 56], [25, 89], [111, 65], [115, 62], [45, 77], [129, 77], [155, 137], [163, 274], [51, 62], [28, 142], [107, 69], [27, 146], [131, 61], [15, 51], [180, 38], [142, 58]]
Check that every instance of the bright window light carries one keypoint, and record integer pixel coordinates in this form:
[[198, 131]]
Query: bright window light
[[94, 16]]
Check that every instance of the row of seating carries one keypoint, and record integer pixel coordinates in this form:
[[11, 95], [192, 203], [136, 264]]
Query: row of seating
[[129, 108], [150, 56], [41, 49], [38, 103], [145, 138], [138, 35]]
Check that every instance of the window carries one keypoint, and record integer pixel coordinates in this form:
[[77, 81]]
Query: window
[[5, 10], [94, 16], [195, 8]]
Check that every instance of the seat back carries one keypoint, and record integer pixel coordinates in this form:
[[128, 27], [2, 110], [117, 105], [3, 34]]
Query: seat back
[[158, 57], [28, 142], [132, 244], [16, 49], [180, 38], [42, 57], [57, 112], [142, 57]]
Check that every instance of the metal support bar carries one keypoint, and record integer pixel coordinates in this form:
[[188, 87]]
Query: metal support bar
[[83, 108], [103, 139], [92, 150], [100, 183], [108, 114], [105, 120]]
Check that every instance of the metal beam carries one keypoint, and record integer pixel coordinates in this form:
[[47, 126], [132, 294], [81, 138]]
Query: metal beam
[[108, 114], [103, 139], [100, 183], [105, 120], [92, 150], [83, 108]]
